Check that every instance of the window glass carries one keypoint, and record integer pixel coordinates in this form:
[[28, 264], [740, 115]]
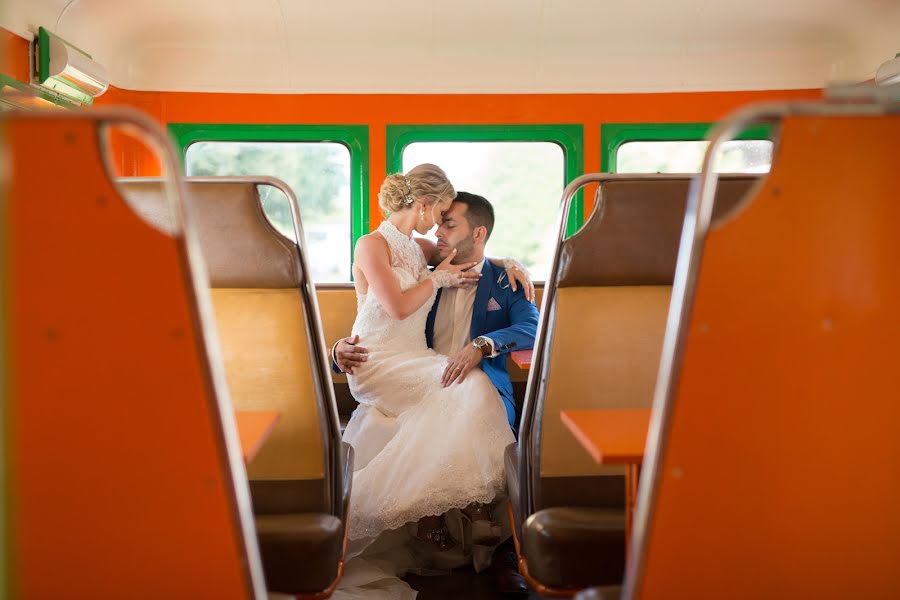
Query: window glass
[[317, 172], [524, 182], [736, 156]]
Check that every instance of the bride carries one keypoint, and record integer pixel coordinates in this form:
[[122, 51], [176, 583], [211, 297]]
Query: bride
[[421, 450]]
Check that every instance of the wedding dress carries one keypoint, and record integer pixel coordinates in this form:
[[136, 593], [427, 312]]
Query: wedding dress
[[420, 449]]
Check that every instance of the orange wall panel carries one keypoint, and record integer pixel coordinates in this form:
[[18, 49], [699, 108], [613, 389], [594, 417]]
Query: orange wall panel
[[15, 56], [378, 110], [130, 157]]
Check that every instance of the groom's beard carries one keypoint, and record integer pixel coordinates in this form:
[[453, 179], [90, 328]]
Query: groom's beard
[[465, 250]]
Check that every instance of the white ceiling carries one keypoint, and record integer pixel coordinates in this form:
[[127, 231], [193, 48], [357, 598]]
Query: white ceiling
[[477, 46]]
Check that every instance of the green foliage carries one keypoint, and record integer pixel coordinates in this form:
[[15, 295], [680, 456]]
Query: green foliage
[[737, 156], [522, 180], [525, 188], [317, 172]]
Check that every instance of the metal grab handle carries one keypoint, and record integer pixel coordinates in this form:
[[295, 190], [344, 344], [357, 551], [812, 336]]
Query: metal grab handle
[[529, 429]]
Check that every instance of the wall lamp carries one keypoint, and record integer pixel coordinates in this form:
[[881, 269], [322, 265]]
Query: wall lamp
[[67, 70]]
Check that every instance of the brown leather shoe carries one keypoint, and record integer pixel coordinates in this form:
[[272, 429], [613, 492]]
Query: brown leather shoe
[[507, 580]]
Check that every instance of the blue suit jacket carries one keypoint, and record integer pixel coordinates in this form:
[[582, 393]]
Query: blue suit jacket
[[512, 326]]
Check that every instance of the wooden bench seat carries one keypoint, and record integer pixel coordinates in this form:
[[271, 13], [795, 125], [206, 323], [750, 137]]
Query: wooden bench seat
[[270, 340], [603, 321]]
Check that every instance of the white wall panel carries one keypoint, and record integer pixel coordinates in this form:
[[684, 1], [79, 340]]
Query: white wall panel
[[473, 46]]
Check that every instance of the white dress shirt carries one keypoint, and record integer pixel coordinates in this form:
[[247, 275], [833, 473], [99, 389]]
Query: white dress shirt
[[453, 321]]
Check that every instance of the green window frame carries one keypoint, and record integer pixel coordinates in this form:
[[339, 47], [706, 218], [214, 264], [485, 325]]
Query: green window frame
[[354, 137], [614, 135], [569, 137]]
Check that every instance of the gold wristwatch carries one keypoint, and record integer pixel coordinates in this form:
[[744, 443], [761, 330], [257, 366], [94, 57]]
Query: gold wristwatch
[[482, 345]]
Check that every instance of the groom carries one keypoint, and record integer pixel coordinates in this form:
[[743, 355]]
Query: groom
[[477, 326]]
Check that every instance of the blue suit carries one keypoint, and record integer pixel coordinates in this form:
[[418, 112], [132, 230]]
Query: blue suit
[[512, 325]]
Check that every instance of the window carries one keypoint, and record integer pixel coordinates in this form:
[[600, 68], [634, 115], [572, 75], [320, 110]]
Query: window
[[680, 148], [325, 175], [736, 156], [522, 178]]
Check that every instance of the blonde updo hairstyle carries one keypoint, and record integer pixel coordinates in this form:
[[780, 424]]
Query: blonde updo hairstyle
[[426, 183]]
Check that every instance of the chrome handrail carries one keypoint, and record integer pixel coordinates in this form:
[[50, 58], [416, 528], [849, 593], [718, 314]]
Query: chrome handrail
[[530, 430], [329, 419], [529, 444]]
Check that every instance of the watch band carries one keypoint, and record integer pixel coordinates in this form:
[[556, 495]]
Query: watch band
[[482, 345]]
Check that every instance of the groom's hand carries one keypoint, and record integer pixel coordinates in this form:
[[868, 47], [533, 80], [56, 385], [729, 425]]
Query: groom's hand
[[348, 355], [460, 364]]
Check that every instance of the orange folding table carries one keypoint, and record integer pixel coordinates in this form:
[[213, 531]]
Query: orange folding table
[[254, 426], [614, 437], [522, 358]]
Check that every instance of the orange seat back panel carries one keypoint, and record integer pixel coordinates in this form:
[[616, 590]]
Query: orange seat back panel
[[119, 482], [781, 476]]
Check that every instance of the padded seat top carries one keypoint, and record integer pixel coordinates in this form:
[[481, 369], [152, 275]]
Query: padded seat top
[[240, 246], [575, 547], [301, 552], [632, 236]]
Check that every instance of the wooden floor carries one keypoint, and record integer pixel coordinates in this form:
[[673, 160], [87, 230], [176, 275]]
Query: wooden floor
[[461, 584]]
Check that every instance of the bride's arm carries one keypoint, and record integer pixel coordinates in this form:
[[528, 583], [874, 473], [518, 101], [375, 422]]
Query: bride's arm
[[515, 271], [374, 259]]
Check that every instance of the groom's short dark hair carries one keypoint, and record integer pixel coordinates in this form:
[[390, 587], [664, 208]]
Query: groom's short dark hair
[[479, 212]]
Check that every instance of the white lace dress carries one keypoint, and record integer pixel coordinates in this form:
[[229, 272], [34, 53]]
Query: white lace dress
[[420, 449]]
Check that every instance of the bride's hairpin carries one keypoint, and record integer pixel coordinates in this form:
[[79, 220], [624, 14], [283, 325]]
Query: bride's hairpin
[[409, 197]]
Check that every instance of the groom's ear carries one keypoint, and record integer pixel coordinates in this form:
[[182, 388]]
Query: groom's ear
[[479, 234]]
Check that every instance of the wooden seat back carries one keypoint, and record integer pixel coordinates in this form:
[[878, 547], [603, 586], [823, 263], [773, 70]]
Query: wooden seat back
[[270, 338], [607, 318]]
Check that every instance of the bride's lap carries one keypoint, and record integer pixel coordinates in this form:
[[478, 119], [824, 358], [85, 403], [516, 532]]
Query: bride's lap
[[396, 382], [438, 427], [368, 431], [421, 448]]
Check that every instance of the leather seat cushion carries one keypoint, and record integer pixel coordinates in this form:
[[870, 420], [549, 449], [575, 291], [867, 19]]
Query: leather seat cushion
[[575, 547], [290, 496], [589, 491], [612, 592], [301, 553]]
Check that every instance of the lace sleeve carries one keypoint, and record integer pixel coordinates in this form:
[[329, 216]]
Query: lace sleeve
[[444, 279], [511, 263]]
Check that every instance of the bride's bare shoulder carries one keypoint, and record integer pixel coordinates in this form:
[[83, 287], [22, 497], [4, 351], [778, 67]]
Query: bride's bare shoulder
[[370, 240], [372, 244]]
